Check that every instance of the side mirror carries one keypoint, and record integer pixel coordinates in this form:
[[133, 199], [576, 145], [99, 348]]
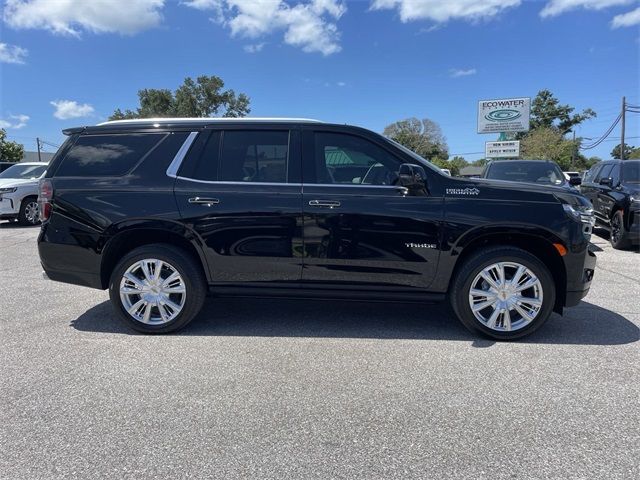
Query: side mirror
[[413, 177], [575, 181], [607, 181]]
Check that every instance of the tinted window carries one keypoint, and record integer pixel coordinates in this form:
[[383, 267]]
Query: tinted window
[[107, 155], [23, 171], [591, 174], [630, 171], [615, 174], [347, 159], [254, 156], [528, 172], [202, 161], [605, 172]]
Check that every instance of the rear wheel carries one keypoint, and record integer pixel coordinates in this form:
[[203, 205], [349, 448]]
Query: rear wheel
[[504, 293], [618, 236], [157, 288], [29, 213]]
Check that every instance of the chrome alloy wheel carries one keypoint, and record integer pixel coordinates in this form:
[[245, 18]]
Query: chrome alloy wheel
[[32, 212], [152, 291], [506, 296]]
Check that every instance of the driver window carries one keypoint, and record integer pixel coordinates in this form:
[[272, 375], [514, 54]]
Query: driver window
[[350, 160]]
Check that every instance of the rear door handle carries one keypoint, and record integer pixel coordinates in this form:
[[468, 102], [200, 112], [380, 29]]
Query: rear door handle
[[209, 202], [324, 203]]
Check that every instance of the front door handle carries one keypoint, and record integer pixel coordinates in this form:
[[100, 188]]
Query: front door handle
[[209, 202], [324, 203]]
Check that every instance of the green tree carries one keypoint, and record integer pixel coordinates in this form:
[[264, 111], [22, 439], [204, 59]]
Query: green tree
[[203, 97], [457, 163], [10, 151], [629, 151], [547, 112], [480, 162], [547, 143], [422, 136]]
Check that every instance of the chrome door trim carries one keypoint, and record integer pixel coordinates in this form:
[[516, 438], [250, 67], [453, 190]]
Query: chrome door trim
[[174, 166]]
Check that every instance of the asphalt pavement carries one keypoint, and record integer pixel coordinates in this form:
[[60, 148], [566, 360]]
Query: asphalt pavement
[[265, 388]]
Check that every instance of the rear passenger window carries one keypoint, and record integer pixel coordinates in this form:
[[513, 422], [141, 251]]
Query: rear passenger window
[[254, 156], [107, 155]]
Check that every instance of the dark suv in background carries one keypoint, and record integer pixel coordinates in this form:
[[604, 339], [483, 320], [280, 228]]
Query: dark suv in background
[[541, 172], [613, 187], [162, 211]]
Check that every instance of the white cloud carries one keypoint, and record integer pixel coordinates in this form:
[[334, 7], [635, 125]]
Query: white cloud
[[458, 72], [443, 11], [254, 47], [66, 109], [557, 7], [310, 26], [15, 121], [626, 19], [71, 17], [341, 84], [12, 53]]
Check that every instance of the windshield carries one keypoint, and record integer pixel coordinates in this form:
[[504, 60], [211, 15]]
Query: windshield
[[528, 172], [23, 171], [631, 171]]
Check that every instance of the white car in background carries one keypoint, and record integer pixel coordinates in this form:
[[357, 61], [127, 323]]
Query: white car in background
[[19, 192]]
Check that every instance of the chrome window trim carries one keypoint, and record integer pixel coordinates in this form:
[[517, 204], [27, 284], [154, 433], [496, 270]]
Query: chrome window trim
[[174, 166], [276, 184]]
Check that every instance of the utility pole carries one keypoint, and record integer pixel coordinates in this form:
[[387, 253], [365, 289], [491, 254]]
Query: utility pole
[[624, 108], [573, 151], [38, 142]]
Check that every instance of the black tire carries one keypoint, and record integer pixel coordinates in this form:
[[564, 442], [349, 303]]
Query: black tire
[[25, 215], [618, 237], [462, 283], [188, 268]]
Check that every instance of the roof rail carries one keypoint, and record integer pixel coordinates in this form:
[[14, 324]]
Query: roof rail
[[207, 120]]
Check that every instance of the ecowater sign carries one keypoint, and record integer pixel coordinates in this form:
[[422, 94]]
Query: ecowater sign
[[506, 115]]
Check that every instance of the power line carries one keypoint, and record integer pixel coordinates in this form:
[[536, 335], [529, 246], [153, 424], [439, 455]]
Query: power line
[[604, 136]]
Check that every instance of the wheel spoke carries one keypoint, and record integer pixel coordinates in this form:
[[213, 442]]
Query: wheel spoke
[[133, 309], [147, 312], [482, 293], [525, 315], [528, 301], [167, 281], [517, 276], [506, 320], [481, 306], [144, 266], [135, 280], [491, 323], [489, 280], [157, 269], [528, 284], [177, 289], [172, 305]]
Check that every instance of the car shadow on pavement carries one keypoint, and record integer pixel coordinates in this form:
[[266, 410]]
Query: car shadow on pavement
[[585, 324]]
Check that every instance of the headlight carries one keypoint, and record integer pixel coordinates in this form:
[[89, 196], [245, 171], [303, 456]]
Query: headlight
[[8, 190], [579, 208]]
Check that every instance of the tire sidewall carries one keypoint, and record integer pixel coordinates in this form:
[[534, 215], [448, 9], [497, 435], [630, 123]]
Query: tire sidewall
[[622, 241], [192, 303], [477, 265]]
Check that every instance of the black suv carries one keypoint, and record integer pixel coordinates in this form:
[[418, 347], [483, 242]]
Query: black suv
[[614, 190], [543, 172], [162, 211]]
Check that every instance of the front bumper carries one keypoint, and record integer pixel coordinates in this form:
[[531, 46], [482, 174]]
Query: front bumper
[[579, 289], [9, 207]]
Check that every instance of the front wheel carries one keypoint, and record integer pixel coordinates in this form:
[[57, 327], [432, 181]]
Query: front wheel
[[157, 288], [618, 236], [504, 293], [29, 213]]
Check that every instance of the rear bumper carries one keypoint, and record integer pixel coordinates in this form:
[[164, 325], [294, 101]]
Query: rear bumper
[[580, 288]]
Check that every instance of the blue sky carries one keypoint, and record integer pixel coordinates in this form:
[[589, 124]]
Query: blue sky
[[369, 63]]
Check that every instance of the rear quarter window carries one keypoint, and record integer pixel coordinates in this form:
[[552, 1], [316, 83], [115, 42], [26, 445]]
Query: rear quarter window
[[107, 155]]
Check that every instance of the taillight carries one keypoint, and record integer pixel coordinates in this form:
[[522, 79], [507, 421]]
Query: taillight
[[45, 194]]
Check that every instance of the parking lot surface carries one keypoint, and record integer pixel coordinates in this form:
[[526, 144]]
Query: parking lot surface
[[313, 389]]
